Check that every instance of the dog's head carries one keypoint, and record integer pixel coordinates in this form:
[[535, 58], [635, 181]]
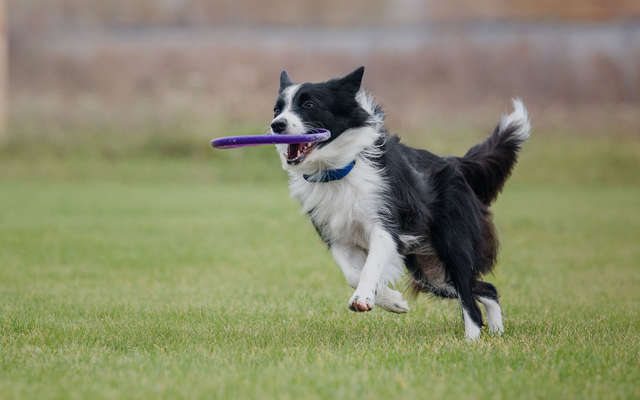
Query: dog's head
[[336, 105]]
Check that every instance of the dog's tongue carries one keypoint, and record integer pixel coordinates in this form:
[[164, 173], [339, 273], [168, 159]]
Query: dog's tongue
[[293, 151]]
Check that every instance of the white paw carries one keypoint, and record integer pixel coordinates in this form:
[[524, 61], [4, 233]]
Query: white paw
[[392, 301], [471, 330], [495, 327], [472, 333], [494, 315], [361, 303]]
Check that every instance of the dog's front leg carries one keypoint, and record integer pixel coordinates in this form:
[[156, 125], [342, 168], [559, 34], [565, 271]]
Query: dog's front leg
[[382, 253], [350, 259]]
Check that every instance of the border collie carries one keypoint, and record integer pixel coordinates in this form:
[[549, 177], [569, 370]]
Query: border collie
[[381, 205]]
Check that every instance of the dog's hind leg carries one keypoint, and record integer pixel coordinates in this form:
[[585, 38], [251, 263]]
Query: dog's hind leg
[[455, 234], [470, 310], [455, 250], [487, 294]]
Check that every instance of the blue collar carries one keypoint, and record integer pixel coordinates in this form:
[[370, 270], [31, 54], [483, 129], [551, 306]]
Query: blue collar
[[330, 174]]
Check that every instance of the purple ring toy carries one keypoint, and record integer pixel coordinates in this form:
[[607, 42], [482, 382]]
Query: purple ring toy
[[230, 142]]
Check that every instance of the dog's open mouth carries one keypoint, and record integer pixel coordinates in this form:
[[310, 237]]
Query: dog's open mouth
[[296, 153]]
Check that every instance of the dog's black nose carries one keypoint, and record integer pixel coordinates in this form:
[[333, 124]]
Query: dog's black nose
[[279, 126]]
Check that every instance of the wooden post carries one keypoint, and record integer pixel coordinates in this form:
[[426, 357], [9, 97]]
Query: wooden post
[[4, 70]]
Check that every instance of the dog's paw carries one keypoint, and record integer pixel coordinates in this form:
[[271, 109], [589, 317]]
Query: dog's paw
[[392, 301], [472, 336], [360, 303], [496, 328]]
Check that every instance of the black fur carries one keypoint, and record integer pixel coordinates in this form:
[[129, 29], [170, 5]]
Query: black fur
[[445, 201], [431, 197], [487, 165], [334, 105]]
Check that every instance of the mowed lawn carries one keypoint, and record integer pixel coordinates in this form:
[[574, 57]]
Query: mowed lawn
[[199, 278]]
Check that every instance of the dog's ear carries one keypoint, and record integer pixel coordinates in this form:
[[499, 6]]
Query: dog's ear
[[284, 80], [352, 81]]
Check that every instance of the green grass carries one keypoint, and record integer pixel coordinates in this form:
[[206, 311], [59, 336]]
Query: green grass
[[136, 277]]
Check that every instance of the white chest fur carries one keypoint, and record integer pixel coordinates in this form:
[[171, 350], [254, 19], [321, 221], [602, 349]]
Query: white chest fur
[[346, 210]]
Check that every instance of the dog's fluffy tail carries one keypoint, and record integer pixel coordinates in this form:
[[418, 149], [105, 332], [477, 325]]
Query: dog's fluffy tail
[[487, 165]]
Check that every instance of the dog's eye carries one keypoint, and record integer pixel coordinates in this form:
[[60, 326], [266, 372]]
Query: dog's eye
[[276, 111], [308, 104]]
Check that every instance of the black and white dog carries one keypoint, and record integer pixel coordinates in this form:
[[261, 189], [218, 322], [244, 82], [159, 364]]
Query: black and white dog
[[381, 205]]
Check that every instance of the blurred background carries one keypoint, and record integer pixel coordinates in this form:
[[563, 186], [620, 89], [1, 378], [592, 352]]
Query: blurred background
[[122, 77]]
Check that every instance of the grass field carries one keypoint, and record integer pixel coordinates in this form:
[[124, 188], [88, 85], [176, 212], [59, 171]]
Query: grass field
[[197, 277]]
